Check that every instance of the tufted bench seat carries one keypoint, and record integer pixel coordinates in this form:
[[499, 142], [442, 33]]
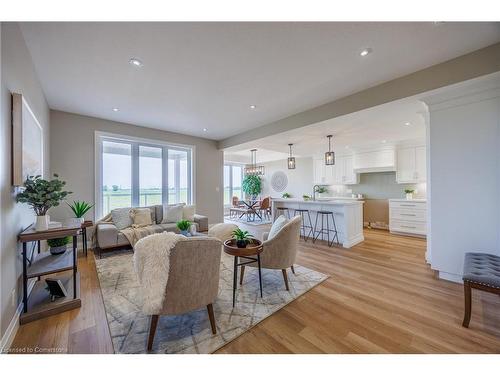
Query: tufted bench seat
[[481, 271]]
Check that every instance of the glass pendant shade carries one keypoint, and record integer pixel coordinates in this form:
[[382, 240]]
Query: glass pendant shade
[[330, 155], [291, 159]]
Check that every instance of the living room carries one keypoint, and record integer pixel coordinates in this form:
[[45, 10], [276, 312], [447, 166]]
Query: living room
[[204, 187]]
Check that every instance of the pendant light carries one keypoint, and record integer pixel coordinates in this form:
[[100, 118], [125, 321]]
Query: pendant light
[[330, 155], [291, 159], [254, 169]]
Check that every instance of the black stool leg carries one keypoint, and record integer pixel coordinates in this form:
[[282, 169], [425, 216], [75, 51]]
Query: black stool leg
[[315, 233]]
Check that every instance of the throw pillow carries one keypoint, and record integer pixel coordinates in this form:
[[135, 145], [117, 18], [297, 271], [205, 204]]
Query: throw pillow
[[188, 212], [141, 217], [172, 213], [121, 217], [277, 226]]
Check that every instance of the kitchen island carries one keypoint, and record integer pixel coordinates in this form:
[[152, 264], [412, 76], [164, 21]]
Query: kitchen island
[[348, 215]]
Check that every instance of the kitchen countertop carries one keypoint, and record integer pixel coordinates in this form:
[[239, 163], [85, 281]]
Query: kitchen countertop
[[408, 200], [334, 201]]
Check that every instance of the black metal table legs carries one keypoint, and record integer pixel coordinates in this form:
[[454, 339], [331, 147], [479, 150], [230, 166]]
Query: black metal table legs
[[235, 273], [25, 279]]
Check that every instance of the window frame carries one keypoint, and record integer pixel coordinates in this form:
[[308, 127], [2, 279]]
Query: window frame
[[231, 165], [135, 142]]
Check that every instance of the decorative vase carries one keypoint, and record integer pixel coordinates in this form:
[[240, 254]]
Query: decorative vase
[[74, 222], [241, 244], [409, 196], [42, 223], [58, 250], [185, 233]]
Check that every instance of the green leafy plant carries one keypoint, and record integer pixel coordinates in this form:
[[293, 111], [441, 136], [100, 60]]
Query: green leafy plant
[[183, 225], [56, 242], [242, 235], [252, 185], [286, 195], [306, 197], [80, 208], [41, 194], [409, 191], [321, 189]]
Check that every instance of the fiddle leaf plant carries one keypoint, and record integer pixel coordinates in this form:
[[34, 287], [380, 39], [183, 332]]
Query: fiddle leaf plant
[[252, 185], [41, 194]]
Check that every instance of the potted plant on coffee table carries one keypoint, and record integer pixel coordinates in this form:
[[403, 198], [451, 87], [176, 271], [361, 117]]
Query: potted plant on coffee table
[[79, 208], [242, 237], [41, 195], [58, 245], [183, 227]]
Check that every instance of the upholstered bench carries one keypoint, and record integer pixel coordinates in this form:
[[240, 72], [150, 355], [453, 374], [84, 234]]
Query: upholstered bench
[[481, 271]]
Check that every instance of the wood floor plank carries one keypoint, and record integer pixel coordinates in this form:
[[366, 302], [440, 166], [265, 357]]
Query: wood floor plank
[[381, 297]]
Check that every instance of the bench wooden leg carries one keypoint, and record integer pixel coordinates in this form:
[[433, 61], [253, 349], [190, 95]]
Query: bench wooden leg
[[467, 312]]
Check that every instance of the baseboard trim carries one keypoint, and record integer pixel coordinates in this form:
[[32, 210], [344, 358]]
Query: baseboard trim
[[451, 277], [10, 332]]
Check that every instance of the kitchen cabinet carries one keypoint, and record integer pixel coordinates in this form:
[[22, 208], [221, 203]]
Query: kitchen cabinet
[[411, 165], [374, 161], [342, 173], [408, 217], [319, 172]]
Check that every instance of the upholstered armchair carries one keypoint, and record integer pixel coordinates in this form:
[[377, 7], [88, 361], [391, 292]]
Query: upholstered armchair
[[193, 280], [280, 251]]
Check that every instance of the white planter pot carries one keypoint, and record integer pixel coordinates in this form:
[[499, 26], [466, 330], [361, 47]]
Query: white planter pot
[[74, 222], [409, 196], [42, 223]]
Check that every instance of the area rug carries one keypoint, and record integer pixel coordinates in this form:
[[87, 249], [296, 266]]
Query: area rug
[[191, 333], [243, 220]]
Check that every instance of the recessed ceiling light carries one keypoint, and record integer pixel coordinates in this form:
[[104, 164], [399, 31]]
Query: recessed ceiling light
[[253, 106], [384, 141], [366, 52], [205, 129], [135, 62], [407, 123], [115, 109]]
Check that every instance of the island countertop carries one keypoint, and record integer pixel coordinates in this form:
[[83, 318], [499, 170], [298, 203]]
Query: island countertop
[[338, 202]]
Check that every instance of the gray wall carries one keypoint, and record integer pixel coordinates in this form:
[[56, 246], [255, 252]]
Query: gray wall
[[383, 185], [299, 179], [72, 157], [17, 75]]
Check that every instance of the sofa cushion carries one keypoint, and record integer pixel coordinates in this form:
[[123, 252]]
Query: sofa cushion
[[159, 211], [188, 212], [121, 217], [172, 213], [277, 225], [141, 217]]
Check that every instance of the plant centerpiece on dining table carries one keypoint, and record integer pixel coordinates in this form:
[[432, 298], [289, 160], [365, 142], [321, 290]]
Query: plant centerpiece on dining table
[[41, 195], [242, 237], [252, 185], [183, 226]]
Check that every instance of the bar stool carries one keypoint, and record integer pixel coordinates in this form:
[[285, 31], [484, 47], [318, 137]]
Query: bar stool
[[282, 211], [325, 230], [303, 226]]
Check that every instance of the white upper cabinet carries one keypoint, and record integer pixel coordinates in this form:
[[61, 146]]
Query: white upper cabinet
[[319, 172], [346, 169], [342, 173], [411, 165], [374, 161]]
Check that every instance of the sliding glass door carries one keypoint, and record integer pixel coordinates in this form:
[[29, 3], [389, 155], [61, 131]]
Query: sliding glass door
[[233, 177]]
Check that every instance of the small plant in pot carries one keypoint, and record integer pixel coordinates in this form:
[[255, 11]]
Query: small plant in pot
[[409, 193], [306, 197], [41, 195], [184, 226], [79, 208], [286, 195], [58, 245], [242, 238]]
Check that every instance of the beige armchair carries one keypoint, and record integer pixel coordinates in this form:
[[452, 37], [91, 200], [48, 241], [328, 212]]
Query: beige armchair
[[281, 250], [193, 280]]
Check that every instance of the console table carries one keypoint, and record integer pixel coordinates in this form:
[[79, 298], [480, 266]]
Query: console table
[[38, 304]]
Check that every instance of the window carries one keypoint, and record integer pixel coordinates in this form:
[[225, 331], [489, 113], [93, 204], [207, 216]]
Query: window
[[132, 172], [233, 176]]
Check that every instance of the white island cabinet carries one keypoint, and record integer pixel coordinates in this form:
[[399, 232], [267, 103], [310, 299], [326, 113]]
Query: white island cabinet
[[348, 216]]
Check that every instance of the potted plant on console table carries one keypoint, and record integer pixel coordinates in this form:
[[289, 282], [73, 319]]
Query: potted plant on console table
[[41, 195], [79, 208]]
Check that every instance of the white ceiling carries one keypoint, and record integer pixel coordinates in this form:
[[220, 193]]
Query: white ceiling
[[206, 75], [379, 126]]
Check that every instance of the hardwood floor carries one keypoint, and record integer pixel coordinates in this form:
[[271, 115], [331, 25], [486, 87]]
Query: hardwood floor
[[381, 298]]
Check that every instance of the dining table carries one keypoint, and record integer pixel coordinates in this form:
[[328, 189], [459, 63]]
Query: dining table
[[252, 205]]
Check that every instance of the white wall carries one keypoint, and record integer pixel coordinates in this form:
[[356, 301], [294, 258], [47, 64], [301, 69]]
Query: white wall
[[464, 150], [17, 75], [72, 157], [299, 179]]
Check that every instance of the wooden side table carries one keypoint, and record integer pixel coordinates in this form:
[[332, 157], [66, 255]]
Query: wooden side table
[[253, 249], [85, 225], [38, 304]]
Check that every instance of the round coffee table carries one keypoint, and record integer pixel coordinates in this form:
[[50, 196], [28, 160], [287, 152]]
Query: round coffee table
[[254, 248]]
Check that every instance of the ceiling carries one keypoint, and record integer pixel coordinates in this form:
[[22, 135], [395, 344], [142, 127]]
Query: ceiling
[[386, 125], [206, 75]]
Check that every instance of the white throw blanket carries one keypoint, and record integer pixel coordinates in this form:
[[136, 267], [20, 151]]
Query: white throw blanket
[[152, 266]]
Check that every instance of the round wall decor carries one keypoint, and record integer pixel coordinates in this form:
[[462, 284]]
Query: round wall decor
[[279, 181]]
